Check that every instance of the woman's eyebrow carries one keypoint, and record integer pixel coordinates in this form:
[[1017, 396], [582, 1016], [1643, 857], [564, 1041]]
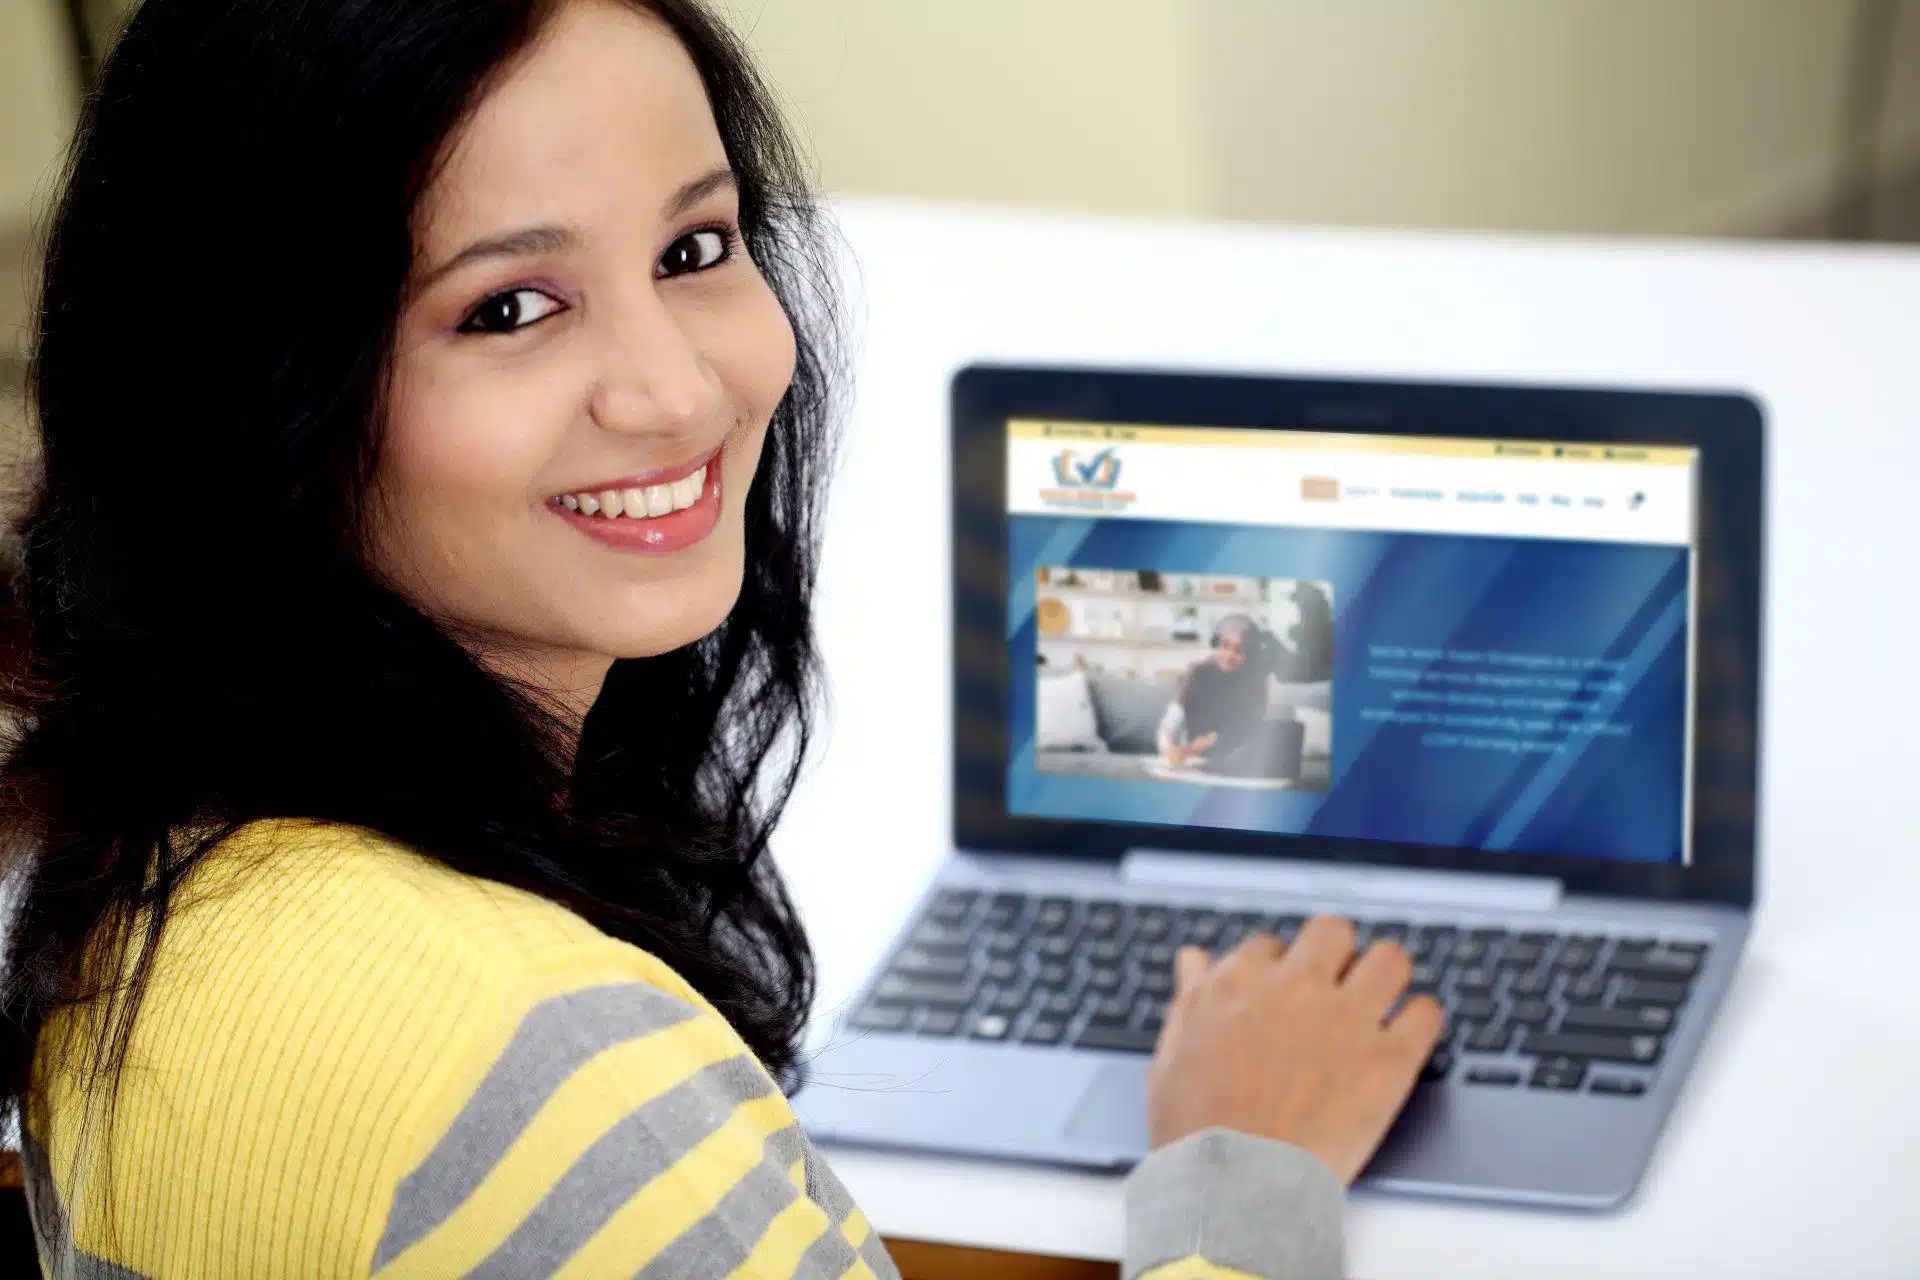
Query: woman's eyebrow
[[523, 243], [529, 241]]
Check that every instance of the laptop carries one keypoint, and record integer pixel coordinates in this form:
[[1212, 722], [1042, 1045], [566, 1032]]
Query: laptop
[[1487, 659]]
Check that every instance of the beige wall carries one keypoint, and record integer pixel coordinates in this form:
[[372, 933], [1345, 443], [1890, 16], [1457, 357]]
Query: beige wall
[[37, 104], [1716, 116]]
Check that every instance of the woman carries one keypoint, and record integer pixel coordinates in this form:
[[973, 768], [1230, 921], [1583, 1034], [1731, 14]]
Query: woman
[[1218, 716], [415, 655]]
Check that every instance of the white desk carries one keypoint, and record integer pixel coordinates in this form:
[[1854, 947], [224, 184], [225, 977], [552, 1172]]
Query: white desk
[[1796, 1149]]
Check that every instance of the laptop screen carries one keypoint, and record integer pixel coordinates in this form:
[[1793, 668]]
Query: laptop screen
[[1472, 644]]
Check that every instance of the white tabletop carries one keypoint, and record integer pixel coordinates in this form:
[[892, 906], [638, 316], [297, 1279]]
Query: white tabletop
[[1795, 1150]]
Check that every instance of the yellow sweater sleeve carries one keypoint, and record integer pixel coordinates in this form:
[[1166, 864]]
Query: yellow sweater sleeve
[[352, 1062]]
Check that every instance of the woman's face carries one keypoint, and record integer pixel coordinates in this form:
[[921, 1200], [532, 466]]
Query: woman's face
[[586, 365]]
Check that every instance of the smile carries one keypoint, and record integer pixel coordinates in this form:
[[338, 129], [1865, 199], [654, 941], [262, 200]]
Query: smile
[[657, 511], [639, 503]]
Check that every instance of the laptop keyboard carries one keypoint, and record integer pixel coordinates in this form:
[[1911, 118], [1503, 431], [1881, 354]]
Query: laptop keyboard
[[1543, 1010]]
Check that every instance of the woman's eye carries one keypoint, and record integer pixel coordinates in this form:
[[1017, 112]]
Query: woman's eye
[[506, 312], [695, 251]]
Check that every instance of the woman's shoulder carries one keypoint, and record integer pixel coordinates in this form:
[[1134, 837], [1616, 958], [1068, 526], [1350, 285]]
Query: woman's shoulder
[[363, 896]]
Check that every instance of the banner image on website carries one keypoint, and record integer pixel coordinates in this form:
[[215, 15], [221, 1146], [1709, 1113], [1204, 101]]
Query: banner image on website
[[1415, 684], [1182, 677]]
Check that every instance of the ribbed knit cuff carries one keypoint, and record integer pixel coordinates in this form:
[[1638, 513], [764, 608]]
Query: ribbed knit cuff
[[1265, 1208]]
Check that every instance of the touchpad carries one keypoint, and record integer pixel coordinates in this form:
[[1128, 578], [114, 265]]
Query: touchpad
[[1111, 1115]]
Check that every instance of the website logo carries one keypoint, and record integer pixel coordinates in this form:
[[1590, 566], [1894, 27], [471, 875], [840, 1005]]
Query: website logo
[[1101, 471], [1087, 482]]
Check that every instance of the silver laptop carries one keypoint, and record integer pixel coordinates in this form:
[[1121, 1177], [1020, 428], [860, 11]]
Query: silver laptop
[[1474, 666]]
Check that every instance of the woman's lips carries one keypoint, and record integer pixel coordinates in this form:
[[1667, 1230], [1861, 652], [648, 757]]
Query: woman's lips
[[691, 515]]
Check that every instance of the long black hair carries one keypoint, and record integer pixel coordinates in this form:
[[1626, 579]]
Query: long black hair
[[198, 642]]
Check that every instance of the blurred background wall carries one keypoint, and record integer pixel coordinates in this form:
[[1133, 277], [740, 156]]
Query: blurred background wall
[[1753, 118]]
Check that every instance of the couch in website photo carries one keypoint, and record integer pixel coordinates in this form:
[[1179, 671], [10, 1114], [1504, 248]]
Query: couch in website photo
[[1103, 725]]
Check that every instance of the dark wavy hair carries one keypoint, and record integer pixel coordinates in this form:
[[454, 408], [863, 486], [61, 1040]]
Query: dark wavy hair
[[197, 641]]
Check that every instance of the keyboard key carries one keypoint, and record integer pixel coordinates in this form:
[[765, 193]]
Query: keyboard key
[[1159, 955], [935, 995], [1619, 1086], [1540, 939], [1468, 952], [1439, 1065], [1004, 909], [1053, 913], [1436, 934], [1203, 928], [883, 1017], [1100, 1035], [1055, 947], [1287, 927], [1490, 1040], [1530, 1013], [1008, 1002], [1003, 942], [1655, 962], [1389, 931], [990, 1026], [1558, 1073], [1104, 980], [1697, 948], [1003, 970], [1113, 1009], [1594, 940], [1053, 974], [1639, 1049], [1474, 981], [1106, 951], [1638, 991], [1103, 918], [939, 1022], [1152, 923], [1657, 1018], [1045, 1031], [934, 936], [1530, 984], [1061, 1004], [1493, 1075], [1487, 936], [1157, 983], [1591, 987], [1576, 958], [952, 906], [1473, 1009], [1522, 955], [916, 963]]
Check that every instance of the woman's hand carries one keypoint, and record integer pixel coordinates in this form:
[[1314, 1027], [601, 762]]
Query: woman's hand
[[1194, 752], [1292, 1043]]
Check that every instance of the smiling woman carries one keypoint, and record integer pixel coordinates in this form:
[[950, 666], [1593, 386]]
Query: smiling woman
[[413, 654]]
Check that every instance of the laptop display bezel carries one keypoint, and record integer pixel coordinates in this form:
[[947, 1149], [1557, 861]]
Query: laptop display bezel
[[1727, 427]]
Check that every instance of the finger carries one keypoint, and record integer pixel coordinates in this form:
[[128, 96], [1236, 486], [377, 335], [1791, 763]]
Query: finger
[[1416, 1029], [1205, 740], [1379, 977], [1190, 965], [1323, 949], [1260, 949]]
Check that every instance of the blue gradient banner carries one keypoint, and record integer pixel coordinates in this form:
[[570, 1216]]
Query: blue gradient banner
[[1488, 693]]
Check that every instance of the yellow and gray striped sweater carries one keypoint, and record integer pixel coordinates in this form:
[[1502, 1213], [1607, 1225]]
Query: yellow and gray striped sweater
[[352, 1062]]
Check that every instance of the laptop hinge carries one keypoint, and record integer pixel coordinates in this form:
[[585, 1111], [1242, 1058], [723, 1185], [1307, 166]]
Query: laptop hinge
[[1170, 868]]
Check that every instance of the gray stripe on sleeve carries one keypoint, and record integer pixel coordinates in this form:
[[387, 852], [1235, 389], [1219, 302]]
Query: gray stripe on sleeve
[[643, 1145], [554, 1039], [879, 1261], [1267, 1208], [51, 1230], [718, 1243]]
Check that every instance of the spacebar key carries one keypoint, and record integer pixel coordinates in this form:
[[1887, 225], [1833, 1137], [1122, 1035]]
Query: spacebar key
[[1107, 1036], [1642, 1049]]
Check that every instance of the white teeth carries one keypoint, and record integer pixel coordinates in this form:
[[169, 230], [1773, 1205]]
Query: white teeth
[[640, 504]]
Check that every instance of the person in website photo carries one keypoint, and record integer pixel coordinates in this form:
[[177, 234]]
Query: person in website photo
[[1187, 678]]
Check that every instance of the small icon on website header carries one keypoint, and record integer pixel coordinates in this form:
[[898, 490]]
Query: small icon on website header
[[1319, 489], [1637, 501]]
